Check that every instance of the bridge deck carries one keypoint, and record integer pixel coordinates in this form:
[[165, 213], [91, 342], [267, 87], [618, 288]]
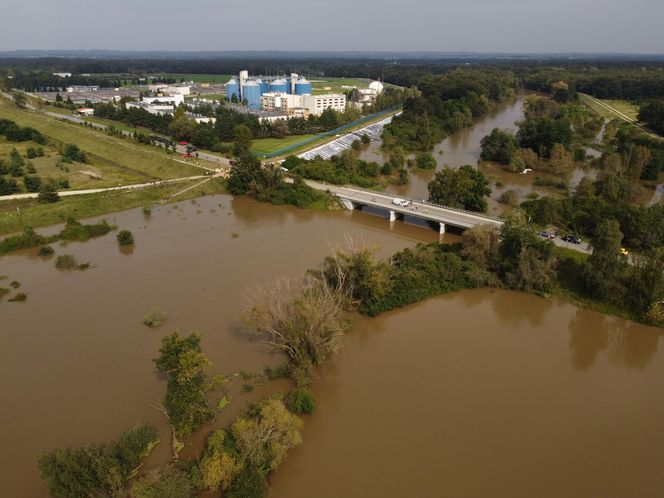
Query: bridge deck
[[417, 208]]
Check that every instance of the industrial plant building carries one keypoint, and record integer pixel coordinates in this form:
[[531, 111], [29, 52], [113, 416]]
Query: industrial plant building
[[302, 105], [293, 89]]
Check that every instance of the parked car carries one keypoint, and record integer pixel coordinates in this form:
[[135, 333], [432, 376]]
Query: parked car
[[400, 202]]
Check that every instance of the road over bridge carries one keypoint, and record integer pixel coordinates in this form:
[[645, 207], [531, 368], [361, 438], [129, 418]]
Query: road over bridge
[[352, 198]]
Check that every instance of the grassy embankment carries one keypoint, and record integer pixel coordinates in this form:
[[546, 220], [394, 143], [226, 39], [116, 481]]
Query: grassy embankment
[[136, 162], [18, 214]]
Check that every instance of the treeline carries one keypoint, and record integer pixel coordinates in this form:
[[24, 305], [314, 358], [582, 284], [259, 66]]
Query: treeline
[[249, 177], [16, 133], [629, 83], [47, 82], [448, 103], [513, 257], [213, 136]]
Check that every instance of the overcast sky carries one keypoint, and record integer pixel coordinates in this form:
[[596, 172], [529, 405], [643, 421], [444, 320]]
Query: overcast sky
[[390, 25]]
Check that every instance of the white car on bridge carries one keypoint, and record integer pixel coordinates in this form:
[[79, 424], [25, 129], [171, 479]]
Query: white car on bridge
[[400, 202]]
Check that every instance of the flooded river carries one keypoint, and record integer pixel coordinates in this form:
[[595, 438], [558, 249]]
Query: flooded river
[[482, 393], [76, 361], [485, 394], [464, 147]]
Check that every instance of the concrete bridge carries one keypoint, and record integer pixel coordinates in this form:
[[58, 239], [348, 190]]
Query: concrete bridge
[[353, 197]]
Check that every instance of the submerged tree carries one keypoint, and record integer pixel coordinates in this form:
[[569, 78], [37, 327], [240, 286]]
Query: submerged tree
[[185, 365]]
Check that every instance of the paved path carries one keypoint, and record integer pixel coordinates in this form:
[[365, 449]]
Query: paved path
[[621, 115], [67, 193]]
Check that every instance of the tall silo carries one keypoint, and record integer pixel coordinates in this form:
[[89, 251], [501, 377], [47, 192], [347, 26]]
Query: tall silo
[[232, 88], [278, 85], [302, 87], [264, 86], [251, 92]]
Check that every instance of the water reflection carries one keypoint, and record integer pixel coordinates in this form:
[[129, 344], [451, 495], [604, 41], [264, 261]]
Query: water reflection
[[626, 343]]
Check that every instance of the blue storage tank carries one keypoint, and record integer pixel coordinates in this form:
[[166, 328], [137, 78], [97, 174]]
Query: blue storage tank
[[302, 87], [232, 88], [251, 92], [288, 85], [279, 85], [264, 86]]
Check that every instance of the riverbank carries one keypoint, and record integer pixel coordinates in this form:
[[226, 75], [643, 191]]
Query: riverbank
[[18, 214]]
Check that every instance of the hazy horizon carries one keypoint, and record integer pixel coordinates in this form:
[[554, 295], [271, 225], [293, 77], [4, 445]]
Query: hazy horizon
[[439, 26]]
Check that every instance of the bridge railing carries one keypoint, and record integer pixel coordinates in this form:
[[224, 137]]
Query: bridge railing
[[413, 199]]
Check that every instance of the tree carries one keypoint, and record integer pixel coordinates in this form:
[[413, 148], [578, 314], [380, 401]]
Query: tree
[[8, 186], [542, 133], [48, 193], [302, 318], [465, 188], [561, 160], [166, 482], [32, 183], [125, 238], [247, 176], [652, 115], [265, 434], [19, 99], [242, 141], [182, 127], [185, 366], [499, 146], [97, 470], [602, 270], [425, 160], [481, 245], [646, 282], [220, 464]]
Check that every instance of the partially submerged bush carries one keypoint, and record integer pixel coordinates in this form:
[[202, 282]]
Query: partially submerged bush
[[155, 317], [301, 401], [97, 470], [45, 251], [66, 262], [125, 238], [18, 298], [28, 238]]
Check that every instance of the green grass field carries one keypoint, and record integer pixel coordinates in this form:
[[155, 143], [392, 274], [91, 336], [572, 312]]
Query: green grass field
[[627, 108], [94, 174], [336, 85], [140, 161], [18, 214], [269, 145], [196, 78]]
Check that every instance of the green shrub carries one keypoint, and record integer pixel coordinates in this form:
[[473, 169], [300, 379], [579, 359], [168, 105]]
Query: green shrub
[[279, 372], [18, 298], [155, 318], [66, 262], [45, 251], [75, 230], [300, 401], [125, 238], [4, 291], [96, 470], [15, 284], [251, 483], [29, 238]]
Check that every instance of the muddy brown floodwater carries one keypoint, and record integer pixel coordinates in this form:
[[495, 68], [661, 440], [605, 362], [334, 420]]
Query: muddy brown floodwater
[[76, 362], [485, 393], [464, 147]]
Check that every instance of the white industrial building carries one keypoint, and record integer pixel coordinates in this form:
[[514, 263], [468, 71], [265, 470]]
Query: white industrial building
[[175, 99], [152, 108], [301, 104]]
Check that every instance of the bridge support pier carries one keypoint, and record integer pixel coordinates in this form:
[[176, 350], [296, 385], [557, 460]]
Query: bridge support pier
[[441, 229], [393, 216], [347, 204]]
